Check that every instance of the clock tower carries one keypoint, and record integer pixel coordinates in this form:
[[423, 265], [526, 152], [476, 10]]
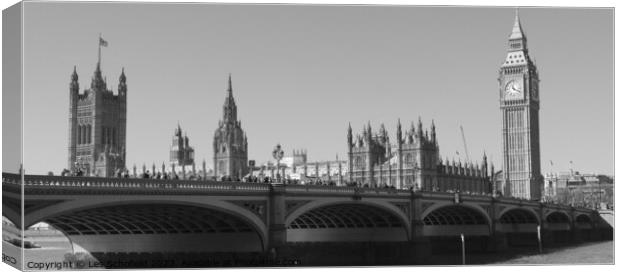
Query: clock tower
[[519, 104]]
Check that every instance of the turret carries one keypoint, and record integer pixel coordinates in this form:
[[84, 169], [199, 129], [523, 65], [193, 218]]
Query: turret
[[74, 86], [420, 128], [484, 165], [74, 90], [433, 134], [350, 136], [399, 134], [97, 83], [383, 134], [122, 83]]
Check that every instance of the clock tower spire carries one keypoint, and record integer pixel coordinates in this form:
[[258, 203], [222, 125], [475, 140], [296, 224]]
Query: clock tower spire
[[519, 104]]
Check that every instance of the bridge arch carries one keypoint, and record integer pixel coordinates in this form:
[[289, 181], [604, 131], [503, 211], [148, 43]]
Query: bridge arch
[[519, 215], [470, 206], [558, 217], [454, 219], [94, 221], [347, 220]]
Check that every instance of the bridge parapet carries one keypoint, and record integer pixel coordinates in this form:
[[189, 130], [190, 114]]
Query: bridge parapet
[[50, 184], [519, 202], [453, 195], [341, 190]]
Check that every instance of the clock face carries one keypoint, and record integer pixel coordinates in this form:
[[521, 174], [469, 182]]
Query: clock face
[[513, 90]]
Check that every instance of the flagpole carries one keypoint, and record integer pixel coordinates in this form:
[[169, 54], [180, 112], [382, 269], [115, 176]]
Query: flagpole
[[99, 47]]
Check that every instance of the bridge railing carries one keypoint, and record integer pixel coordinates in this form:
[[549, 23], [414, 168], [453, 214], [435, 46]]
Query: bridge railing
[[72, 182], [39, 181], [345, 190]]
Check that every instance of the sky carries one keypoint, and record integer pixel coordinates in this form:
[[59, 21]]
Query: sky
[[301, 74]]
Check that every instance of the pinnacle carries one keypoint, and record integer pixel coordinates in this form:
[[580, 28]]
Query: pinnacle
[[517, 31]]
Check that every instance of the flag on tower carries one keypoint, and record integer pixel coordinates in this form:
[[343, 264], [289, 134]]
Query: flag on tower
[[103, 42]]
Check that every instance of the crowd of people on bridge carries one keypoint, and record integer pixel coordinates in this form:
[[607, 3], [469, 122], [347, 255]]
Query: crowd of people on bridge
[[286, 180]]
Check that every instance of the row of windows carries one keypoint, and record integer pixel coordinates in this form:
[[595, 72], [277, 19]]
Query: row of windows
[[517, 163], [519, 188], [109, 136], [84, 113], [409, 160], [514, 70], [84, 134], [83, 153]]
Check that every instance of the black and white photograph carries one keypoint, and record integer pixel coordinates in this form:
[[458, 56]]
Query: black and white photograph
[[247, 135]]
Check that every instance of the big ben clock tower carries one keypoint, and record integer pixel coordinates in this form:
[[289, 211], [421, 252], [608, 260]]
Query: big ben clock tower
[[519, 104]]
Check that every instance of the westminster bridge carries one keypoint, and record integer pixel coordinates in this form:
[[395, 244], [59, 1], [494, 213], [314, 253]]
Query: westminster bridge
[[105, 215]]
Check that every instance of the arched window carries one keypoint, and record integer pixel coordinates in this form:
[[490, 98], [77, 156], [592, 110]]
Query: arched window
[[88, 134], [82, 134], [79, 134], [409, 160], [358, 162], [113, 136]]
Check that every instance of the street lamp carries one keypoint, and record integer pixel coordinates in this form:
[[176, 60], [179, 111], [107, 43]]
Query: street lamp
[[278, 154]]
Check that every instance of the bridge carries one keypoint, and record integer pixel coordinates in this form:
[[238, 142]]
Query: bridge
[[104, 215]]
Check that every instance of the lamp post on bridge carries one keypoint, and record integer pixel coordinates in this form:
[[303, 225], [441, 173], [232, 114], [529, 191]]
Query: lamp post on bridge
[[278, 154]]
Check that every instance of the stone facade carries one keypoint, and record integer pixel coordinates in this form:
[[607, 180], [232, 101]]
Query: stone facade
[[180, 152], [519, 104], [411, 162], [299, 168], [97, 126], [230, 144]]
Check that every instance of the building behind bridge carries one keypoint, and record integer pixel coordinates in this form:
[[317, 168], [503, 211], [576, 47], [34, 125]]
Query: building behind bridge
[[412, 161], [230, 143], [97, 126], [579, 189], [181, 153], [297, 167]]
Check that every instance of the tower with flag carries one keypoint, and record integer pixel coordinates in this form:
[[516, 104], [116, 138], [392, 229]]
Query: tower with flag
[[97, 124]]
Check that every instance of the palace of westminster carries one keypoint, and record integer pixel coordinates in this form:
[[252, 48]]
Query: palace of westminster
[[97, 142]]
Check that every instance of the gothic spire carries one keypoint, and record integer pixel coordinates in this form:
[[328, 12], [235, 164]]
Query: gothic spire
[[230, 95], [230, 108], [433, 134], [74, 75], [517, 31], [122, 78], [399, 133], [97, 82], [420, 132], [349, 135]]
